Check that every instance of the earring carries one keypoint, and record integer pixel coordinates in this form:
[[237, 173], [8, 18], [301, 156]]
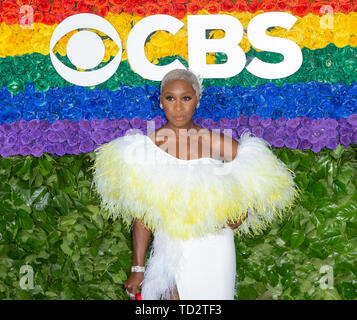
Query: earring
[[198, 104], [161, 106]]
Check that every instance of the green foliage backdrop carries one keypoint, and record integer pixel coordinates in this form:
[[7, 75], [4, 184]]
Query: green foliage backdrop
[[50, 219]]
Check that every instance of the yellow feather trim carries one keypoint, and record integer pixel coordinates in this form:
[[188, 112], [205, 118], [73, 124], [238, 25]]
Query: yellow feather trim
[[190, 198]]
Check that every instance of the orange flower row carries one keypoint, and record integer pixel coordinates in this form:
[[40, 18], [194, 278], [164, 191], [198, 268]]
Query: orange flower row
[[54, 11]]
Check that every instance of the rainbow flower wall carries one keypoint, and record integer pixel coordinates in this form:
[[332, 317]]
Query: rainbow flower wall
[[50, 219]]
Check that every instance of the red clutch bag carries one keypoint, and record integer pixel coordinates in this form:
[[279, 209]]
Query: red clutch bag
[[138, 296]]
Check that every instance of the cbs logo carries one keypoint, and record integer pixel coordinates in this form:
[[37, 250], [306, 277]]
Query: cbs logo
[[85, 49]]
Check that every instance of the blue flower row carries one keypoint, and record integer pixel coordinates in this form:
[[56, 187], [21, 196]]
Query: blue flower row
[[312, 99]]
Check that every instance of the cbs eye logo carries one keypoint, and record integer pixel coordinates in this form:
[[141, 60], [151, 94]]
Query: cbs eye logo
[[85, 49]]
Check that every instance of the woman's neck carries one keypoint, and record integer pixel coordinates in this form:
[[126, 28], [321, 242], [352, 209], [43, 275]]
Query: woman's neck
[[178, 130]]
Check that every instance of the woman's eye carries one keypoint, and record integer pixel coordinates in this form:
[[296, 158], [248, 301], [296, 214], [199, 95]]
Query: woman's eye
[[187, 98], [169, 98]]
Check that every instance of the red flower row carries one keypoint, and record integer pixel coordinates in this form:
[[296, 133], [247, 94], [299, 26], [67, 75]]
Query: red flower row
[[54, 11]]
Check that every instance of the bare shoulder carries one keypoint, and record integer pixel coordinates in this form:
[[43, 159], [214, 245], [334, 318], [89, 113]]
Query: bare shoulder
[[225, 146], [152, 135], [158, 136], [222, 146]]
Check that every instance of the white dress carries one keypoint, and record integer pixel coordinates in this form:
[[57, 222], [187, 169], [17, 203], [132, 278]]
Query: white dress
[[187, 204], [208, 268], [205, 268]]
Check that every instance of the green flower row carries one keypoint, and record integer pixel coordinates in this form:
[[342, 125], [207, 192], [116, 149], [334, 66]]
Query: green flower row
[[328, 65], [50, 220]]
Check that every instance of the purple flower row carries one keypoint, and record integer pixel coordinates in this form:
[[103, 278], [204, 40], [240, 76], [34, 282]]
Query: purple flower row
[[71, 137]]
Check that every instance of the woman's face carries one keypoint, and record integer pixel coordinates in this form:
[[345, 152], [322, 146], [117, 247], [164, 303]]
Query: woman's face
[[179, 101]]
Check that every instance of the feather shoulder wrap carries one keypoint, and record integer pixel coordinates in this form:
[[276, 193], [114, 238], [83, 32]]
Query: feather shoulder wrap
[[190, 198]]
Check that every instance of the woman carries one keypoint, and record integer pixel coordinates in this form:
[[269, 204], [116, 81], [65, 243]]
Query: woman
[[188, 198]]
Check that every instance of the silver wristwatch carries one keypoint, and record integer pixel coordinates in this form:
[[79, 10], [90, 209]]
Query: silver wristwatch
[[137, 269]]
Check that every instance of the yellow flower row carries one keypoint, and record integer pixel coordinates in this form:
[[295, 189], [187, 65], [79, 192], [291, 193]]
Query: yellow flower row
[[310, 31]]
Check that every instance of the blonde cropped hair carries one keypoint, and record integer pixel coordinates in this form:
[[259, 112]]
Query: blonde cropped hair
[[183, 74]]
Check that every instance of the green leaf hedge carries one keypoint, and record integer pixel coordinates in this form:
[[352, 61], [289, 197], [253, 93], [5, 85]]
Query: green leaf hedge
[[51, 220]]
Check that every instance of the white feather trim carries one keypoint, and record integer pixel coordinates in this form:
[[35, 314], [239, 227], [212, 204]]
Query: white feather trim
[[162, 268]]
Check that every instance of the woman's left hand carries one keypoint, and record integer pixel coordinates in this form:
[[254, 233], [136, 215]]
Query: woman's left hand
[[237, 224], [234, 225]]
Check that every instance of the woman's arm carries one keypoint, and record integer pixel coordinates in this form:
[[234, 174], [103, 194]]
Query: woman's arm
[[228, 149], [141, 237], [225, 146]]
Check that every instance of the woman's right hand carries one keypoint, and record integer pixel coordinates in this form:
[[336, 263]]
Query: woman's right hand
[[133, 283]]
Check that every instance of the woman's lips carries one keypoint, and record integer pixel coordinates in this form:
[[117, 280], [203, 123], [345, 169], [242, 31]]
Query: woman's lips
[[180, 117]]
